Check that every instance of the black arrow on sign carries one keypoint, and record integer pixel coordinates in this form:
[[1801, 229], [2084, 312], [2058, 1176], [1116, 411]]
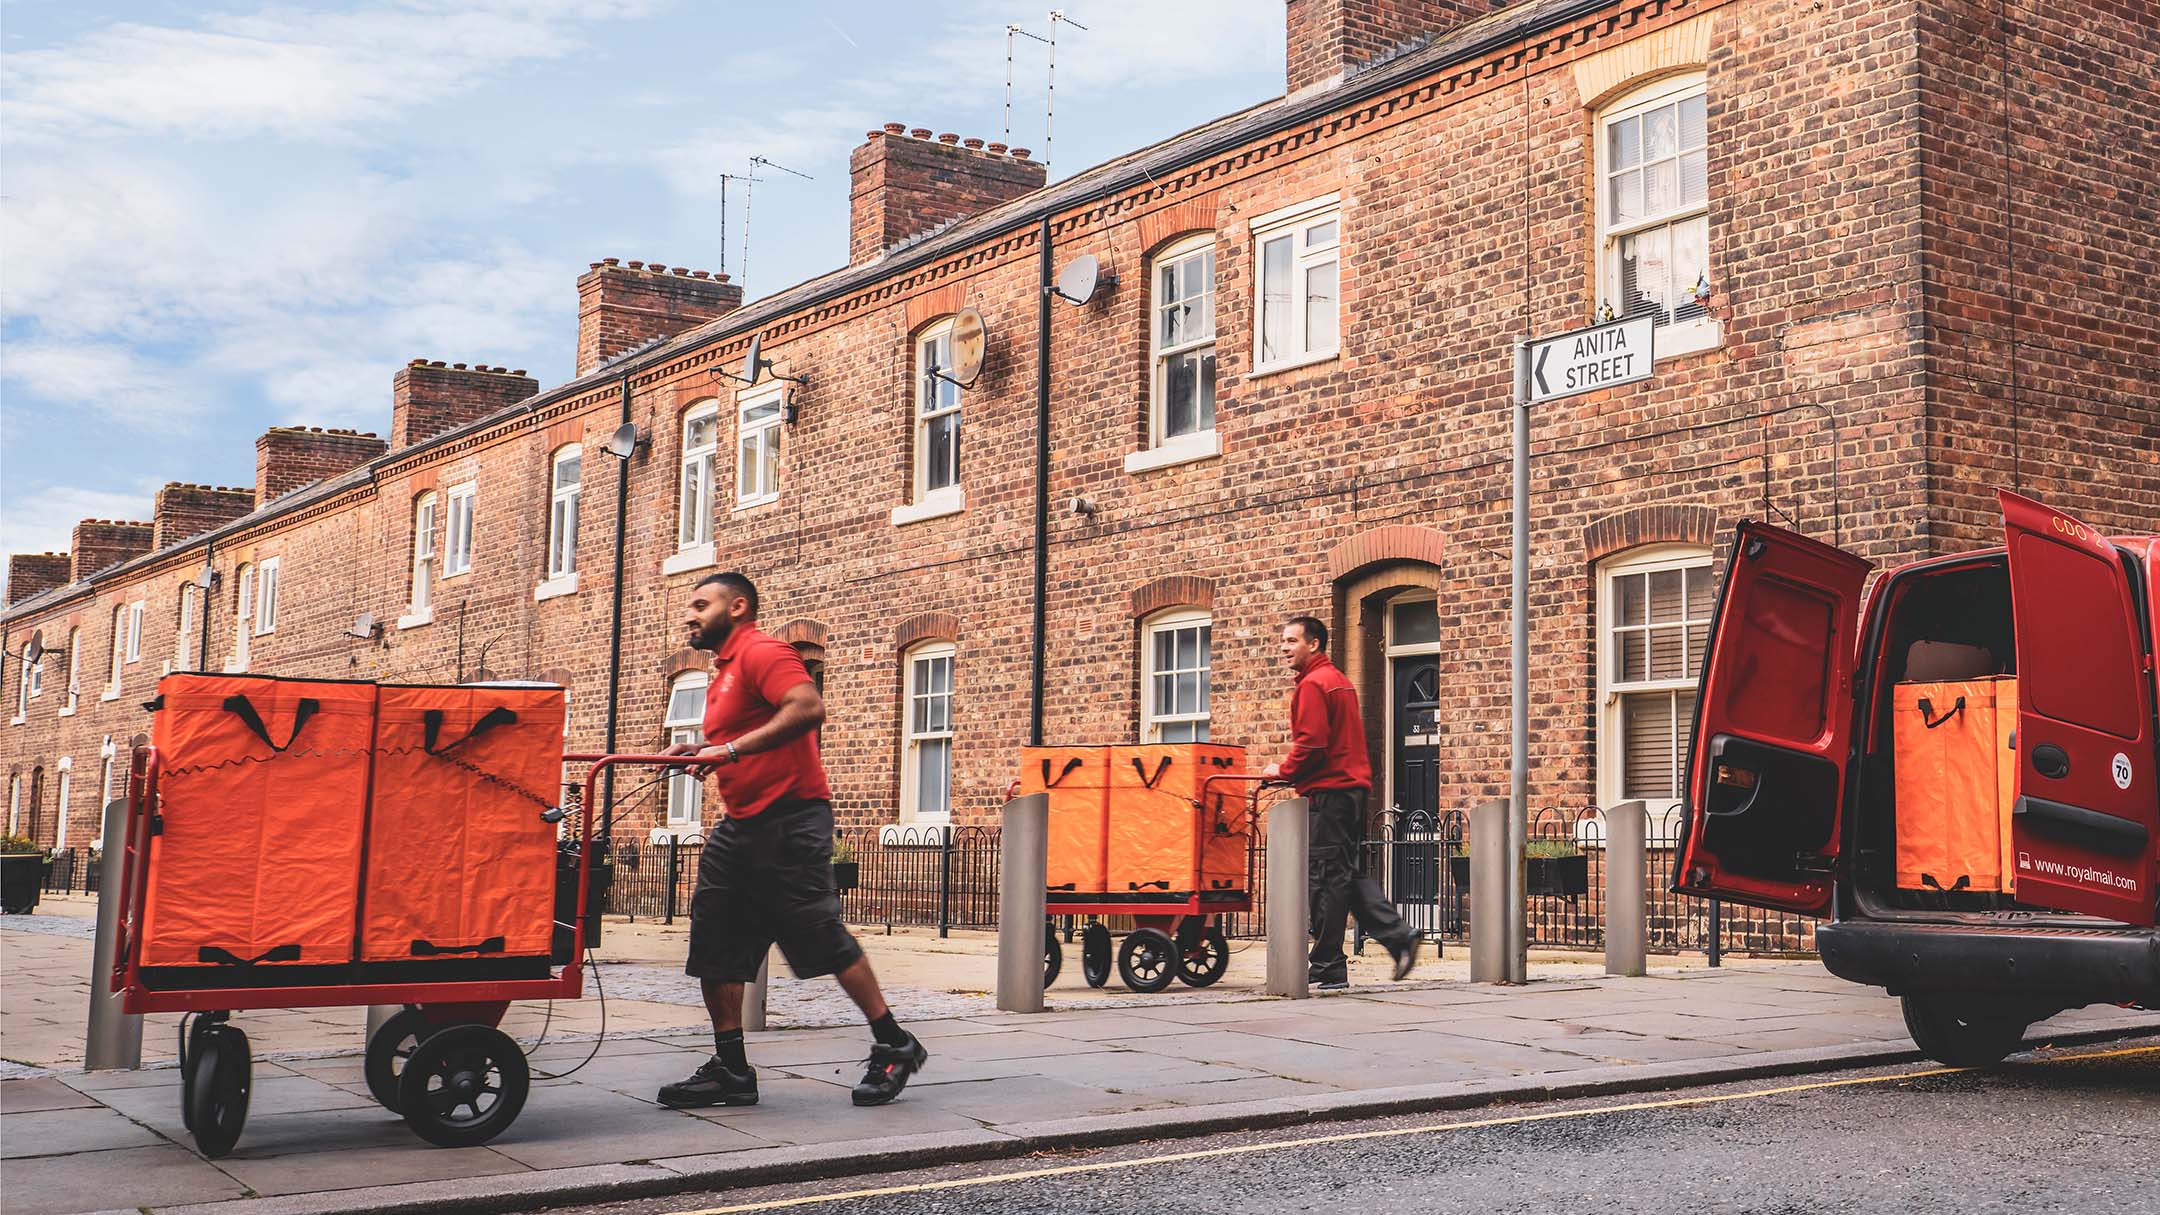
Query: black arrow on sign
[[1537, 371]]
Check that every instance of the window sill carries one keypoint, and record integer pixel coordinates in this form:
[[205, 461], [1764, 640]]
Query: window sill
[[555, 588], [463, 573], [413, 620], [696, 557], [913, 835], [109, 694], [17, 720], [935, 505], [1688, 337], [754, 503], [1261, 373], [1185, 449], [67, 710]]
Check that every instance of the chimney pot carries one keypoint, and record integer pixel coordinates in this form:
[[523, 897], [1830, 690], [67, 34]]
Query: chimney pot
[[637, 265], [948, 138], [611, 261], [972, 145], [700, 274], [920, 132], [1019, 153], [520, 371], [997, 149], [896, 128]]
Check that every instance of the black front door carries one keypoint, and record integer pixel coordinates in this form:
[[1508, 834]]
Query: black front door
[[1416, 745]]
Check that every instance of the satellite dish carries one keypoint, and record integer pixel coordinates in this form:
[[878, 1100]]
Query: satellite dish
[[753, 368], [1076, 283], [970, 339], [624, 442], [35, 651], [365, 626]]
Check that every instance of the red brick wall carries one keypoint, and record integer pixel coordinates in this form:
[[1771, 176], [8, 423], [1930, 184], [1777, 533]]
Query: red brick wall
[[35, 573], [428, 399], [1326, 38], [183, 512], [289, 457], [905, 184], [102, 543], [625, 307]]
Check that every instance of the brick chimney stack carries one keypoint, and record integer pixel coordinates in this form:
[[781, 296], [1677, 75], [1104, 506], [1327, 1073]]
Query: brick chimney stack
[[907, 184], [183, 512], [36, 573], [1327, 40], [622, 307], [428, 399], [288, 457], [103, 543]]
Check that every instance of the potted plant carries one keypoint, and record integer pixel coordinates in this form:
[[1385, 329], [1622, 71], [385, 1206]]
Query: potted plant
[[1458, 863], [1557, 867], [23, 866], [845, 871]]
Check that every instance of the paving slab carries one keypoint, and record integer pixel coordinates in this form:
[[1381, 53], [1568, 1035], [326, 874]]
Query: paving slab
[[42, 1093], [68, 1132], [137, 1176], [579, 1125]]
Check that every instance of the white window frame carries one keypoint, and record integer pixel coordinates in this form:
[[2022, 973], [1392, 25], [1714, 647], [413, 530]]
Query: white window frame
[[1393, 648], [925, 406], [929, 652], [184, 634], [22, 694], [66, 784], [698, 486], [458, 530], [764, 435], [243, 616], [74, 673], [266, 588], [420, 608], [1611, 742], [36, 673], [119, 653], [134, 631], [1297, 223], [14, 802], [1195, 444], [686, 793], [1152, 716], [562, 533], [1677, 337]]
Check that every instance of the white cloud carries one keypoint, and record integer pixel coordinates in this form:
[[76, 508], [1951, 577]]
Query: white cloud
[[44, 521], [102, 378]]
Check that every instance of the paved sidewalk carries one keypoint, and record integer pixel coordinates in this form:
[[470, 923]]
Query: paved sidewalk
[[1114, 1068]]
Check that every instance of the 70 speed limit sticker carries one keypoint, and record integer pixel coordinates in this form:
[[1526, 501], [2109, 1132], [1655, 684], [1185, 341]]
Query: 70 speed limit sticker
[[2121, 770]]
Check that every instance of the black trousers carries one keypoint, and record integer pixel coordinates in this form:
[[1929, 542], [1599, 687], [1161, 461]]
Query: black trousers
[[1337, 886]]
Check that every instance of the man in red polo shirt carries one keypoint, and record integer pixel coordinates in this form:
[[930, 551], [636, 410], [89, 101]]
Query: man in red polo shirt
[[1327, 763], [765, 876]]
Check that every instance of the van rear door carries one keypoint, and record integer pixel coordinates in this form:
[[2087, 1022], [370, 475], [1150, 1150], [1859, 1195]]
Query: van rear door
[[2088, 805], [1766, 767]]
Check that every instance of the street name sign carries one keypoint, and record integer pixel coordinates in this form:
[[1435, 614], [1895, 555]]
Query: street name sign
[[1603, 356]]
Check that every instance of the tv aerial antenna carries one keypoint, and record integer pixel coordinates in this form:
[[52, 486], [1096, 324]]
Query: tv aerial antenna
[[750, 181], [725, 178], [1057, 18]]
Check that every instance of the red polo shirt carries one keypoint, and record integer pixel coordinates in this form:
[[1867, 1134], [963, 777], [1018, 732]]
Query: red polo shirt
[[1327, 737], [751, 673]]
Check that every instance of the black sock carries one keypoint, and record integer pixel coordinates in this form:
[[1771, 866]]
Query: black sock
[[728, 1048], [887, 1031]]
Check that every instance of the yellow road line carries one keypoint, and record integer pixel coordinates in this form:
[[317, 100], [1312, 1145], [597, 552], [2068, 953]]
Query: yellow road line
[[1279, 1145]]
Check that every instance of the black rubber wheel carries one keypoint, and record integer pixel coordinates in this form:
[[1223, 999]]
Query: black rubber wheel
[[387, 1050], [1206, 960], [219, 1072], [1053, 955], [1951, 1034], [464, 1085], [1095, 952], [1147, 961]]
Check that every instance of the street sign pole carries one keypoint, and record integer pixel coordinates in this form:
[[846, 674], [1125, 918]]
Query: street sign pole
[[1518, 820]]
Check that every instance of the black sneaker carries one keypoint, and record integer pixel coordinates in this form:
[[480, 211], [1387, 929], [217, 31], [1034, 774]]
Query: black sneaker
[[1405, 956], [1332, 984], [890, 1068], [714, 1083]]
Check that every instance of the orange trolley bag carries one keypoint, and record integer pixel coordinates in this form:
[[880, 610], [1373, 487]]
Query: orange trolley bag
[[461, 865], [1161, 835], [1076, 782], [1955, 784], [255, 853]]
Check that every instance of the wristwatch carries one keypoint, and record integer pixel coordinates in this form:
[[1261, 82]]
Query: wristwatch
[[733, 758]]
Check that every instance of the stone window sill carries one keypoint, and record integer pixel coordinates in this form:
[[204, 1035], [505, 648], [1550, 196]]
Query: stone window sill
[[413, 620], [935, 505], [1185, 449], [555, 588], [1309, 360], [109, 694], [754, 503], [697, 557], [17, 720], [67, 710], [1689, 337]]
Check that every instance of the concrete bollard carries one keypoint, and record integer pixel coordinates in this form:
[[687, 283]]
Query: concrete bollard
[[753, 997], [114, 1038], [1023, 860], [1488, 892], [1627, 919], [1289, 915]]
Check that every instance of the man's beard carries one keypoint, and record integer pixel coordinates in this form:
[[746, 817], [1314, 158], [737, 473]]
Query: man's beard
[[713, 636]]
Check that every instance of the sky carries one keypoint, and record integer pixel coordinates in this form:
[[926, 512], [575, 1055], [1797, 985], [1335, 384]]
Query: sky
[[218, 218]]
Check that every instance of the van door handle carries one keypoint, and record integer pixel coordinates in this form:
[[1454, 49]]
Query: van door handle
[[2051, 761]]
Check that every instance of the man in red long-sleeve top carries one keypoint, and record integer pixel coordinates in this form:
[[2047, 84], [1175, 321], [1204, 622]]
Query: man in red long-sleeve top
[[1327, 763]]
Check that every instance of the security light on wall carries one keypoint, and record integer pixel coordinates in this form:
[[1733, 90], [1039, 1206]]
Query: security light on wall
[[626, 441]]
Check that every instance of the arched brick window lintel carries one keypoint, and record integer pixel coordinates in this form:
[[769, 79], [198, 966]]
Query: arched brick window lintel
[[928, 626], [1637, 526], [1394, 542], [802, 633], [685, 659], [1176, 590]]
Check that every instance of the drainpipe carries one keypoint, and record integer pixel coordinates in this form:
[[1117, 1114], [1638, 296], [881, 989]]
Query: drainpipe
[[614, 680], [1042, 483], [202, 649]]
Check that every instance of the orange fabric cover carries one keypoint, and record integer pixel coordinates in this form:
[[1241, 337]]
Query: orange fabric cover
[[1156, 842], [1955, 783], [457, 851], [1076, 780], [260, 848]]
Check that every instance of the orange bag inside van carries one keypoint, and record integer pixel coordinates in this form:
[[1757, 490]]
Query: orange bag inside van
[[460, 864], [1076, 781], [262, 802], [1956, 783], [1159, 835]]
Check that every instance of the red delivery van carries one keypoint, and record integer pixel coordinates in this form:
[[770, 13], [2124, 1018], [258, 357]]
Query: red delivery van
[[1963, 777]]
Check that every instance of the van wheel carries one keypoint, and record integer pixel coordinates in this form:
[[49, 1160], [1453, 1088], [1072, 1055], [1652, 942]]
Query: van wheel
[[1948, 1034]]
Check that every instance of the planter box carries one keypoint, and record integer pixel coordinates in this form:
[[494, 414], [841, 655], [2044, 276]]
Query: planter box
[[845, 874], [1565, 876], [1459, 873], [22, 880]]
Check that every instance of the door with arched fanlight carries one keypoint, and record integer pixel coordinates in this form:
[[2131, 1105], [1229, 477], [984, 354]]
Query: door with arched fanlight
[[1413, 655]]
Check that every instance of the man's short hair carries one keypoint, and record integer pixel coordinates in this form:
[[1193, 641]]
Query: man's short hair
[[736, 584], [1315, 631]]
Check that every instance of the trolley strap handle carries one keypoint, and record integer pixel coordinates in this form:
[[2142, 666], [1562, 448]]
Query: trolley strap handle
[[1070, 764], [1163, 884], [429, 949], [245, 709], [1927, 712], [1162, 769], [222, 957], [1930, 880], [497, 716]]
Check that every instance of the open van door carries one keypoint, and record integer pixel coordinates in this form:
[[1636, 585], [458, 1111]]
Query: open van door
[[2088, 805], [1774, 710]]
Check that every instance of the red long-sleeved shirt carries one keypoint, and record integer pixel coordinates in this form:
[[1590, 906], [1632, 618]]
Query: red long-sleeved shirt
[[1327, 737]]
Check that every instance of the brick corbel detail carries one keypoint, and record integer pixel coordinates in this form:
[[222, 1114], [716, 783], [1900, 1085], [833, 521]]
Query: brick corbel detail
[[929, 626], [802, 632], [1642, 525], [685, 659], [1395, 542], [1178, 590]]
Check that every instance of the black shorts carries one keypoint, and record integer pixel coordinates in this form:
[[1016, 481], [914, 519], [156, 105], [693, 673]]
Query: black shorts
[[767, 880]]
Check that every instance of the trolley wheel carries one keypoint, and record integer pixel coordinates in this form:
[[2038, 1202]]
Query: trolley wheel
[[1095, 955], [464, 1085], [1053, 955], [388, 1049], [1205, 960], [1148, 960], [218, 1077]]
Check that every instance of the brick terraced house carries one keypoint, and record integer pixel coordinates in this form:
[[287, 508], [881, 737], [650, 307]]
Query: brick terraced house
[[1900, 253]]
